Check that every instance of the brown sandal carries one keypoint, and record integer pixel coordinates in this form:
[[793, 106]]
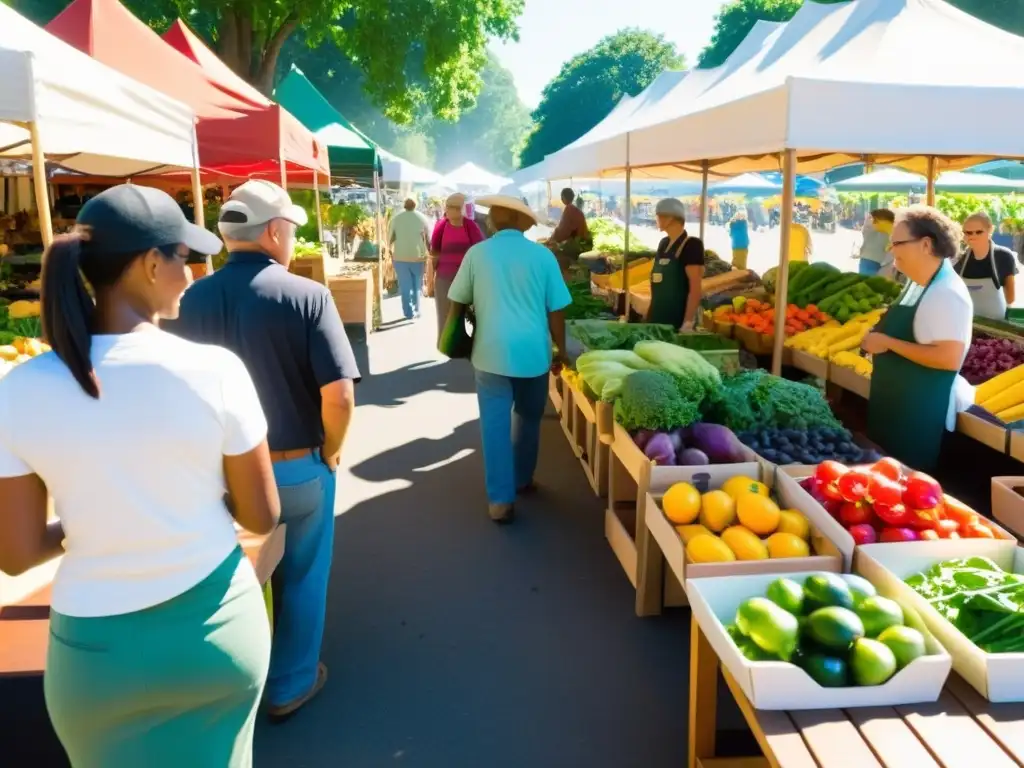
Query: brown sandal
[[284, 711]]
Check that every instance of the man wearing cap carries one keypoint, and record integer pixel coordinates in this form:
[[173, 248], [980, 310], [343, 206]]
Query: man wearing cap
[[518, 294], [678, 269], [409, 233], [287, 330]]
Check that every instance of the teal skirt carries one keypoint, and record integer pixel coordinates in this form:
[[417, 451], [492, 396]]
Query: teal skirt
[[174, 685]]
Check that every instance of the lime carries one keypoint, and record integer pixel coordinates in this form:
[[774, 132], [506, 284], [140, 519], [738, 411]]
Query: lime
[[834, 628], [827, 671], [871, 662], [859, 587], [825, 589], [787, 594], [878, 614], [905, 643], [773, 629]]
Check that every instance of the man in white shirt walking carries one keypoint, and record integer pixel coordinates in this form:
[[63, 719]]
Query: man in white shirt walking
[[408, 234]]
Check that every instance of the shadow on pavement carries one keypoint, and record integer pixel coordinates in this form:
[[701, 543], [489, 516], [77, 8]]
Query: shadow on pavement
[[393, 388]]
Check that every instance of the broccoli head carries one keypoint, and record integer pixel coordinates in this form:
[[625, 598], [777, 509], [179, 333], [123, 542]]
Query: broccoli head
[[656, 400]]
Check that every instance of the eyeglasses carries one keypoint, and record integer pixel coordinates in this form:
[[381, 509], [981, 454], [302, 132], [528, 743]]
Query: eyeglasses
[[898, 243]]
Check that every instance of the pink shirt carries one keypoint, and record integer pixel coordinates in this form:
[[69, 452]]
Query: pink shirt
[[451, 243]]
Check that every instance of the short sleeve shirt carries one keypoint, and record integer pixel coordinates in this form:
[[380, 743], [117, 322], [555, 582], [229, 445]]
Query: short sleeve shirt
[[137, 475], [1004, 260], [513, 284], [410, 230], [287, 331]]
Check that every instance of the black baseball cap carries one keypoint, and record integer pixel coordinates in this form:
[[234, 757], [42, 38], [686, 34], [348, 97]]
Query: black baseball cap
[[133, 219]]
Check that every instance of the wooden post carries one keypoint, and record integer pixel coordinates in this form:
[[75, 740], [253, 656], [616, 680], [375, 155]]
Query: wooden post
[[930, 198], [316, 204], [705, 165], [39, 180], [198, 201], [782, 278]]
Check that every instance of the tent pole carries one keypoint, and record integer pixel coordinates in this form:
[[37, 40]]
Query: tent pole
[[378, 226], [198, 201], [930, 198], [316, 204], [782, 278], [705, 165], [39, 180], [625, 251]]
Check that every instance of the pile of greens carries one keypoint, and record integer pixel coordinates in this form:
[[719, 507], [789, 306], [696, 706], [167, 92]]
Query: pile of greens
[[751, 400], [658, 400], [611, 334], [979, 598], [610, 238], [584, 304], [11, 329]]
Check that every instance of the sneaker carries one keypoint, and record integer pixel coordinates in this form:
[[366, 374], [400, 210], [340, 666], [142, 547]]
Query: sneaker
[[501, 513], [282, 712]]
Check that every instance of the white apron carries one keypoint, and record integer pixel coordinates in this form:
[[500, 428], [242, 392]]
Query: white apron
[[986, 293]]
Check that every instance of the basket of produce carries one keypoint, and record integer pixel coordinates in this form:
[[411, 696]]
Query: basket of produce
[[818, 640], [970, 594]]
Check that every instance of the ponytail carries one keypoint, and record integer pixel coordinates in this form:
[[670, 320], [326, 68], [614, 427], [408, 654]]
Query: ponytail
[[68, 309]]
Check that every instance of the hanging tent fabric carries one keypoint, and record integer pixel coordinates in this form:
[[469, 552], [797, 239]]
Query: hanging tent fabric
[[952, 182], [397, 170], [749, 184], [90, 118], [239, 134], [352, 155], [470, 177]]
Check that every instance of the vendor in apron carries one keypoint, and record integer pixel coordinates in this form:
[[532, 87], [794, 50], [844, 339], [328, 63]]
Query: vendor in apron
[[987, 269], [920, 343], [678, 270]]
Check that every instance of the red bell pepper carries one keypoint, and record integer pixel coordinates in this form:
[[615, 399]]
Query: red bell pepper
[[893, 515], [854, 485]]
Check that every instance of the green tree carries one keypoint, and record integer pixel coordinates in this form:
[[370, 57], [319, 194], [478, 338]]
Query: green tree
[[413, 53], [591, 83], [737, 17]]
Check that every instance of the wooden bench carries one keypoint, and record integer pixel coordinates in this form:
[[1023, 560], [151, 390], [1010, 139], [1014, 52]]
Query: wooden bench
[[25, 623], [960, 730]]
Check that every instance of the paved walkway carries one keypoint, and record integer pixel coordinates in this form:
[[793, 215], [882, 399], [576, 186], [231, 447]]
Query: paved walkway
[[452, 642]]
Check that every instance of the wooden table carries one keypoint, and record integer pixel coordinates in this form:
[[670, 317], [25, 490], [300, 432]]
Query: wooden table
[[961, 730]]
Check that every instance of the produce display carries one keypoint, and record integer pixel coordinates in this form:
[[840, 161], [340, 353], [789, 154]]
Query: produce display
[[714, 265], [987, 358], [584, 304], [610, 240], [752, 400], [738, 522], [854, 362], [806, 446], [836, 628], [18, 351], [884, 502], [760, 316], [1003, 395], [639, 272], [979, 598], [694, 445], [831, 339], [838, 294], [19, 319]]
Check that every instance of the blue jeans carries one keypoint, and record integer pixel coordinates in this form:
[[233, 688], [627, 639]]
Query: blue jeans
[[510, 414], [306, 487], [410, 282], [869, 267]]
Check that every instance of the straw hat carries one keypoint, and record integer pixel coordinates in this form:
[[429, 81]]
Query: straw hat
[[509, 202]]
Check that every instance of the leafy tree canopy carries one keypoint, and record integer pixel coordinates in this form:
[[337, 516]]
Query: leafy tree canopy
[[590, 84], [413, 54], [737, 17]]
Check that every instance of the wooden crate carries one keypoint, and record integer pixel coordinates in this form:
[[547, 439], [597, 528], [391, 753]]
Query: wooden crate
[[311, 267], [590, 422], [353, 296]]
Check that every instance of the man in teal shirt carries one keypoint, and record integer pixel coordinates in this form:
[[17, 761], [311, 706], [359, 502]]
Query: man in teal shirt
[[518, 294]]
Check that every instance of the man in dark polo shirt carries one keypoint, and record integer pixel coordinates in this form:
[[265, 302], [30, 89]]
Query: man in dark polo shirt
[[288, 332]]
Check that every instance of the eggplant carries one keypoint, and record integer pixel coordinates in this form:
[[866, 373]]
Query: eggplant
[[692, 457]]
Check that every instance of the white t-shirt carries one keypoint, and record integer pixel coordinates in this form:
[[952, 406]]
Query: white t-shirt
[[137, 476], [945, 313]]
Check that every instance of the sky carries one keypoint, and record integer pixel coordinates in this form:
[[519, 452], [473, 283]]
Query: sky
[[553, 31]]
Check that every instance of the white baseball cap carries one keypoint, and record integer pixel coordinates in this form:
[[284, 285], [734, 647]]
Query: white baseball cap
[[259, 202]]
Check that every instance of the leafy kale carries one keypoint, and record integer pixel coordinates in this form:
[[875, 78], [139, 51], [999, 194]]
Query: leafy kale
[[751, 400]]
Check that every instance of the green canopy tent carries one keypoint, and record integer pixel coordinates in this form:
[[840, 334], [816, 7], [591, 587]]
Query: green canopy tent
[[352, 155]]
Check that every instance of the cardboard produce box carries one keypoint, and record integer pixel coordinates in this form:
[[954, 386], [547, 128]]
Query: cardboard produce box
[[1008, 503], [825, 556], [997, 677], [994, 436], [778, 685]]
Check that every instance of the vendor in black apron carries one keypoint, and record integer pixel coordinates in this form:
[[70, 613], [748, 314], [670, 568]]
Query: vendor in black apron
[[920, 343], [678, 270], [987, 269]]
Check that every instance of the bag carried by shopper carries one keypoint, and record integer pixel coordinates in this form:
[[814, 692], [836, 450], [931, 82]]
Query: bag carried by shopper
[[456, 340]]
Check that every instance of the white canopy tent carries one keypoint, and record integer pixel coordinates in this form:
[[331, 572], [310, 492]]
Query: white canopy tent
[[56, 102], [472, 178], [400, 171]]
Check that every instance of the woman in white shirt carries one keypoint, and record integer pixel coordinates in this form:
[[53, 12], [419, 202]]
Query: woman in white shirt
[[920, 343], [159, 639]]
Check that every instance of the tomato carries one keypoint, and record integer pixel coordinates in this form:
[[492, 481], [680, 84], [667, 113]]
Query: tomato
[[922, 491], [829, 471], [928, 535], [946, 529], [833, 507], [894, 515], [857, 513], [853, 486], [882, 490], [889, 468], [890, 535], [831, 492]]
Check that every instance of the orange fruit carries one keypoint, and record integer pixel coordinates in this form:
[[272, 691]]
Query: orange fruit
[[681, 503], [734, 486], [787, 545], [791, 521], [758, 513], [687, 532], [717, 510], [708, 549], [744, 544]]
